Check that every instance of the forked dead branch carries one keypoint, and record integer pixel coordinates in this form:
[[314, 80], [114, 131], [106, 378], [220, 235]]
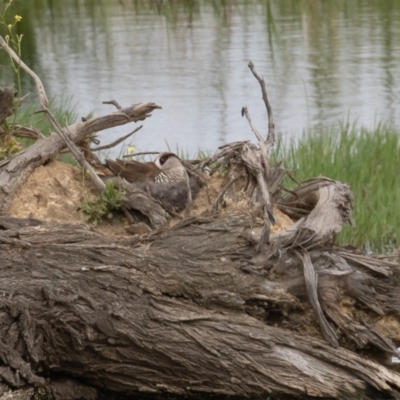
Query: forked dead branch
[[233, 299]]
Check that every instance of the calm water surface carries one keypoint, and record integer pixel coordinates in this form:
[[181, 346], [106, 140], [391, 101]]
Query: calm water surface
[[323, 62]]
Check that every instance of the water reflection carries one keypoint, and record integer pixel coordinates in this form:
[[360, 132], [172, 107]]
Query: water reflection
[[322, 61]]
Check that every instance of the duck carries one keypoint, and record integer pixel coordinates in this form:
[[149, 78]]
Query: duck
[[165, 179], [166, 168]]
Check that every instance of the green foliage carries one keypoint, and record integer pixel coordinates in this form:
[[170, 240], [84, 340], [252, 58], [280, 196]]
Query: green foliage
[[368, 160], [64, 112], [8, 145], [108, 201], [25, 115], [62, 109], [12, 38]]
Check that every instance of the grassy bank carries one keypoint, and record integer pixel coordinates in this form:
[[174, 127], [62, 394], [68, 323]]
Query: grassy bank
[[369, 161]]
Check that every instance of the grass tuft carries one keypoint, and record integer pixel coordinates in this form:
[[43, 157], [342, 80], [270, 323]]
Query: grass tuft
[[368, 160], [63, 111]]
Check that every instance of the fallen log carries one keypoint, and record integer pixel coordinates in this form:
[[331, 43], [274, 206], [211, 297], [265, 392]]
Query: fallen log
[[176, 314]]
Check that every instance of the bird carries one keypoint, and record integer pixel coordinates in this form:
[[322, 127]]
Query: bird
[[166, 179], [166, 168]]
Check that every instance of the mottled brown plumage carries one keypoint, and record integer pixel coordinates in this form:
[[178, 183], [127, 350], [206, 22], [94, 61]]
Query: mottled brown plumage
[[166, 168], [165, 179]]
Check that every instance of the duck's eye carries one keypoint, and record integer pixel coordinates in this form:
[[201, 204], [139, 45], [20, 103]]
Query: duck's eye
[[163, 159]]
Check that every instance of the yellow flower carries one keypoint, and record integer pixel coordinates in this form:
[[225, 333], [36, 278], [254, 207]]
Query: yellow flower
[[18, 18], [131, 149], [9, 26]]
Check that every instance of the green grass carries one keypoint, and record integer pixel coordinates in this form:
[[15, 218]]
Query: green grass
[[369, 161], [63, 110]]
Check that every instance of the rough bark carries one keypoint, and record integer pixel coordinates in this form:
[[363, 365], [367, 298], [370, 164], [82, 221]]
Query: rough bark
[[184, 311]]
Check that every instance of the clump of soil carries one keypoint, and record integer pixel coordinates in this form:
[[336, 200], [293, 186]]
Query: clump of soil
[[388, 326], [55, 192]]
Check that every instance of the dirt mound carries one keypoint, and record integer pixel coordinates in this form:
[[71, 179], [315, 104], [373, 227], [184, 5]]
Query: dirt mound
[[55, 192]]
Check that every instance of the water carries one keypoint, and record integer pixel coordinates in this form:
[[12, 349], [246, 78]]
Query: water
[[323, 62]]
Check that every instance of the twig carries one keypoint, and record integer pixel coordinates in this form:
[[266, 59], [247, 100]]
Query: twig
[[118, 141], [291, 176], [222, 153], [214, 208], [44, 102], [172, 212], [253, 163], [264, 150], [245, 113], [114, 103], [271, 125], [29, 133], [143, 153], [76, 152]]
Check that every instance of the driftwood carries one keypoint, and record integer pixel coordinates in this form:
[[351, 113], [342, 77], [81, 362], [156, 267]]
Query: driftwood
[[183, 312], [189, 309]]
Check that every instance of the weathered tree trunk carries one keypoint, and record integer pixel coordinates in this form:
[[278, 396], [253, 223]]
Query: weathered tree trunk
[[180, 312]]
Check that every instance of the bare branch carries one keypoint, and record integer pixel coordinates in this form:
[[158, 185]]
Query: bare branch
[[253, 163], [76, 152], [29, 133], [114, 103], [264, 150], [142, 153], [224, 151], [44, 102], [271, 125], [118, 141]]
